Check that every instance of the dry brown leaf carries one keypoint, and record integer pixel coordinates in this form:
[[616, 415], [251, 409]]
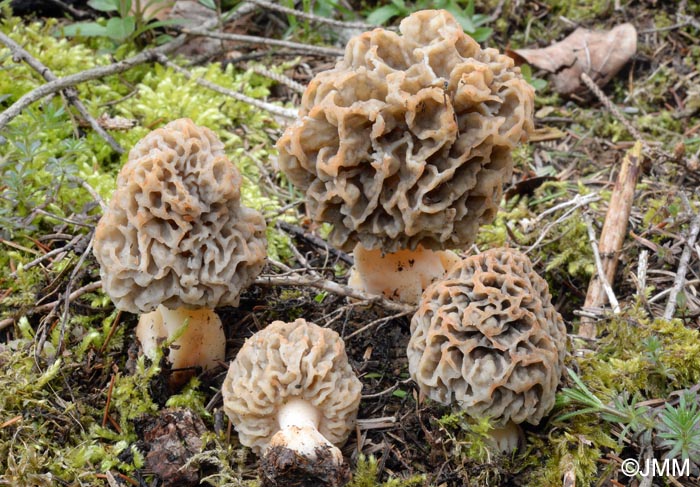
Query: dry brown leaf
[[600, 54]]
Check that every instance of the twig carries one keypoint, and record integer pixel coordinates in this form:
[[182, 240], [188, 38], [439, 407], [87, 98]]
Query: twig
[[377, 322], [280, 78], [612, 108], [59, 84], [71, 280], [335, 288], [323, 51], [308, 16], [602, 278], [48, 255], [679, 282], [19, 54], [314, 240], [52, 305], [577, 203], [283, 112], [613, 235]]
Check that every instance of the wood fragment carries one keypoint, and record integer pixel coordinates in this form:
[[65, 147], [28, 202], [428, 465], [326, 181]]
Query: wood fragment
[[71, 94], [613, 235]]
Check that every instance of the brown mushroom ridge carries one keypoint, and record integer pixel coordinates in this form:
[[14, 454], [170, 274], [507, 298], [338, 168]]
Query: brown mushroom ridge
[[286, 361], [407, 140], [488, 337], [175, 232]]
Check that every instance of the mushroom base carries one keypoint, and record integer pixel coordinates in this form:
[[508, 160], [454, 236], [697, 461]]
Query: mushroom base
[[202, 344], [506, 438], [401, 276], [282, 466]]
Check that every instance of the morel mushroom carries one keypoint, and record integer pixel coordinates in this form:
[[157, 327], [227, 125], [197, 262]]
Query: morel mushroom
[[293, 397], [488, 337], [408, 140], [176, 242]]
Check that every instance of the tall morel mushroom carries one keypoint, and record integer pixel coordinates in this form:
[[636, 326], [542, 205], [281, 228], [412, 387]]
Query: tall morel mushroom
[[487, 337], [293, 397], [406, 143], [176, 242]]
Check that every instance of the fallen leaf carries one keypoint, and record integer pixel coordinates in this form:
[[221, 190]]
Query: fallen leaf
[[600, 54]]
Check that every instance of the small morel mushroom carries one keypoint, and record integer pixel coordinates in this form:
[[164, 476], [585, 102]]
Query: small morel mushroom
[[407, 141], [175, 242], [293, 397], [488, 337]]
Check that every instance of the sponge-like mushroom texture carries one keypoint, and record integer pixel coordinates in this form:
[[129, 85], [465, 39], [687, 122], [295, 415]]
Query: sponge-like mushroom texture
[[408, 139], [488, 337], [285, 361], [175, 232]]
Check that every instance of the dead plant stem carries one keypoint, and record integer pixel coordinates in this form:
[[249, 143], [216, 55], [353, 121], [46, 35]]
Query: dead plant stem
[[679, 281]]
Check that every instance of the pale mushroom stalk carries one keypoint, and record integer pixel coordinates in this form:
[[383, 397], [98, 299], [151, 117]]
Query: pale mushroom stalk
[[293, 398], [401, 275], [203, 342], [298, 422]]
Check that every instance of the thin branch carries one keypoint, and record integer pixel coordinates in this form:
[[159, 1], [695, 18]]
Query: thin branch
[[308, 16], [599, 266], [48, 255], [280, 78], [93, 286], [148, 56], [277, 110], [679, 282], [335, 288], [19, 54], [323, 51], [612, 108]]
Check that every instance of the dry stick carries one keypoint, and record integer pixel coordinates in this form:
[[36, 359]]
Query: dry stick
[[679, 282], [280, 78], [613, 235], [600, 268], [314, 18], [324, 51], [277, 110], [51, 87], [335, 288], [50, 306], [19, 54]]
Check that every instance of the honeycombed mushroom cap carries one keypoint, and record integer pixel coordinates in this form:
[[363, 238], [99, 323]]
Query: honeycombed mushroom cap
[[285, 361], [488, 337], [407, 140], [175, 232]]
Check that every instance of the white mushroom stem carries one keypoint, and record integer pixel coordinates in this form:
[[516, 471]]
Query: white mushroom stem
[[202, 344], [402, 275], [298, 420]]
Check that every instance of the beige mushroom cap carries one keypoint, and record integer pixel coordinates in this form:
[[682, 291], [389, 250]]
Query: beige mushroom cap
[[175, 232], [407, 140], [488, 337], [285, 362]]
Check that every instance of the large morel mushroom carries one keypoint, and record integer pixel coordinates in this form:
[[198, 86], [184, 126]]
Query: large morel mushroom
[[293, 398], [176, 242], [488, 338], [408, 140]]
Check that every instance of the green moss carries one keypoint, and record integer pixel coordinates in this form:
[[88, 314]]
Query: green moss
[[367, 472]]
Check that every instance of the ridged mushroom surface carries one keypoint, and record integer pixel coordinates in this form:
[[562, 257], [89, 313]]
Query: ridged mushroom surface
[[286, 361], [488, 337], [407, 140], [175, 232]]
